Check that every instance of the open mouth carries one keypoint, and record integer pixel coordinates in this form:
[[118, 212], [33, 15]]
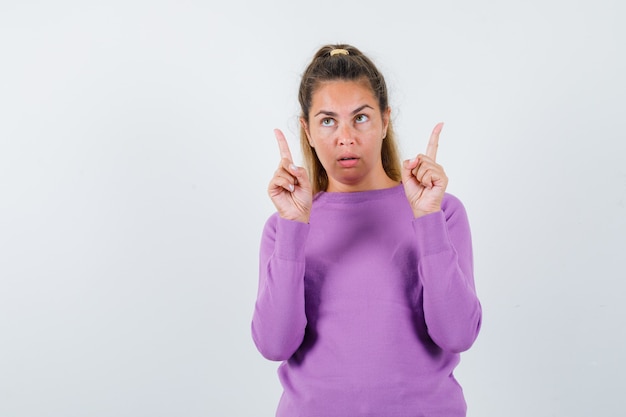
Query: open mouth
[[348, 161]]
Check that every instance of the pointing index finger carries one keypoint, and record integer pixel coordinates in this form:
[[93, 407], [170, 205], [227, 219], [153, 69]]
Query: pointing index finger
[[283, 146], [433, 142]]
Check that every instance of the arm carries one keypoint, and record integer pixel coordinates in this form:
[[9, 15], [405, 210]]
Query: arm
[[279, 318], [445, 266], [451, 308]]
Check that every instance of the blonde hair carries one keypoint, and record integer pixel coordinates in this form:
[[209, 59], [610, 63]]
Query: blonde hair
[[351, 65]]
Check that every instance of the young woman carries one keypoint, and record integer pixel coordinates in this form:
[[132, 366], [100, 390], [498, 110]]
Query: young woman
[[366, 289]]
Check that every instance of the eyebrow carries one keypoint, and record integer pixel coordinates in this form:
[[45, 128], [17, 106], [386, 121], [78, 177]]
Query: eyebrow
[[333, 114]]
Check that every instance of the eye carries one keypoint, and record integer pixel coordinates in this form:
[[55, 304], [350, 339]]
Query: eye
[[361, 118], [327, 121]]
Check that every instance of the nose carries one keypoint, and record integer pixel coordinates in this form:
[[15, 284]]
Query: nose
[[346, 135]]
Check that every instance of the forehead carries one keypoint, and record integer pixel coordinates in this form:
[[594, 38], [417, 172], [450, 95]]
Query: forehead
[[343, 94]]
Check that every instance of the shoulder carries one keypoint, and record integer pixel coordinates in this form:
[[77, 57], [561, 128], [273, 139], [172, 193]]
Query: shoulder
[[275, 225], [271, 223], [451, 201], [452, 206]]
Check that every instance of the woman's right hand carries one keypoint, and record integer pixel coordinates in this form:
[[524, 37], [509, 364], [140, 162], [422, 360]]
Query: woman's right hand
[[290, 188]]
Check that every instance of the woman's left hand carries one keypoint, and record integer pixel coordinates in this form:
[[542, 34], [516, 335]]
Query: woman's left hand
[[424, 180]]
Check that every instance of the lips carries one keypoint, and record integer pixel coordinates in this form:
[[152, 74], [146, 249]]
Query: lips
[[348, 161]]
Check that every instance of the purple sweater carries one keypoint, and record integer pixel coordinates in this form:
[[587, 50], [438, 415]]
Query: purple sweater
[[367, 307]]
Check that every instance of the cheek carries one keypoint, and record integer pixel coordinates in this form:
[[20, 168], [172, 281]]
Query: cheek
[[323, 150], [319, 138]]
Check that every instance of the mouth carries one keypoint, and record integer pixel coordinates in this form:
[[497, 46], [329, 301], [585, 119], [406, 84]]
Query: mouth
[[348, 161]]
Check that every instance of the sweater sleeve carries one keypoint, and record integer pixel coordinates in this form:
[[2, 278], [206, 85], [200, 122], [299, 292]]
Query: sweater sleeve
[[452, 310], [279, 318]]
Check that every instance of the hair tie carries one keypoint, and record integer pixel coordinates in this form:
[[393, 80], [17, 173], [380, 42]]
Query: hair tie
[[339, 52]]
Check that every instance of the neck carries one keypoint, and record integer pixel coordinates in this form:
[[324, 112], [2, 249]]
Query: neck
[[382, 183]]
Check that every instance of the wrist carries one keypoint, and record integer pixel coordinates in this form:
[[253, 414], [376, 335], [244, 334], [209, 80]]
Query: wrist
[[302, 218], [417, 213], [420, 213]]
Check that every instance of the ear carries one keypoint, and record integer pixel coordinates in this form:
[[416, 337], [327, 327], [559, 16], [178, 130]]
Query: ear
[[305, 127], [386, 118]]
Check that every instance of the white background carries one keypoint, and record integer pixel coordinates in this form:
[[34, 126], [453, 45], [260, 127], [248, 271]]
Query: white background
[[135, 150]]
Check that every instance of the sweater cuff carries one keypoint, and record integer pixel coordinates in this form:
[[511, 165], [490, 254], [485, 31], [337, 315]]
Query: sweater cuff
[[290, 239], [432, 234]]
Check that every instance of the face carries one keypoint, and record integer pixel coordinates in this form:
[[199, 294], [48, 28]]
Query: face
[[346, 128]]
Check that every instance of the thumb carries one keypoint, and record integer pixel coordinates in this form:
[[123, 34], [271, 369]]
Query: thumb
[[407, 167], [301, 175]]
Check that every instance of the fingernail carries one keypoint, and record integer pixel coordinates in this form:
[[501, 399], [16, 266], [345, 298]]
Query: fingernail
[[291, 187], [293, 167]]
